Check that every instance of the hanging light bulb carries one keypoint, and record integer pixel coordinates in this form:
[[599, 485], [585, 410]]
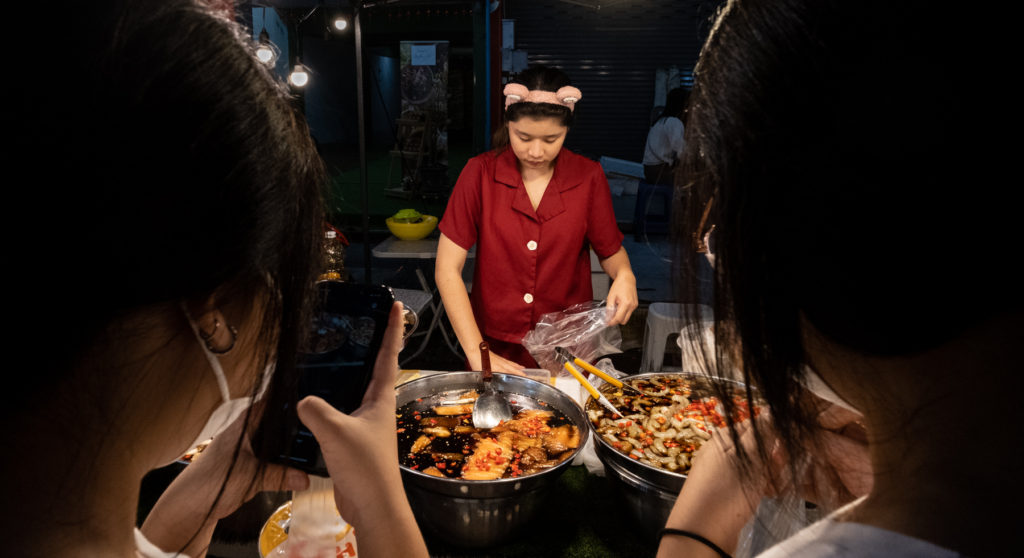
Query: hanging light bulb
[[299, 76], [265, 51], [340, 23]]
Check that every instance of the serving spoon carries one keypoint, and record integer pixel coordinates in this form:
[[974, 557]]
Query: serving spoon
[[491, 408]]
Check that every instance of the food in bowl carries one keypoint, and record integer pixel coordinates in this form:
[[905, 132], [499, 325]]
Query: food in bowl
[[412, 230], [668, 423], [407, 216], [441, 440], [274, 535]]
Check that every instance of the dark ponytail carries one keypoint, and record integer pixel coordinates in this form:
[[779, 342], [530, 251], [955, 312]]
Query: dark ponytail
[[535, 78]]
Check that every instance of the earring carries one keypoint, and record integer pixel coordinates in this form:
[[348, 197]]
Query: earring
[[208, 338]]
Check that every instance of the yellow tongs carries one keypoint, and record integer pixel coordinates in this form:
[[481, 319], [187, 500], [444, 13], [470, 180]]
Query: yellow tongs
[[567, 356], [568, 360]]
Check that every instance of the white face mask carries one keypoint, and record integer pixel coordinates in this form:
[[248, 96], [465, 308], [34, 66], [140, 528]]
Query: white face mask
[[229, 409], [817, 386]]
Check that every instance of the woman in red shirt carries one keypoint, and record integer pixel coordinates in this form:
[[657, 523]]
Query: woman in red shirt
[[534, 211]]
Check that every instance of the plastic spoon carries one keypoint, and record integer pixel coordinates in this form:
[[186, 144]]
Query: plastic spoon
[[491, 408]]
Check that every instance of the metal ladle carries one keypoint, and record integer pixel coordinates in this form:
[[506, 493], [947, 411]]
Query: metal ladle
[[491, 408]]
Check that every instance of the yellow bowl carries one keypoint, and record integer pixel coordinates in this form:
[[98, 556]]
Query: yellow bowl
[[412, 231]]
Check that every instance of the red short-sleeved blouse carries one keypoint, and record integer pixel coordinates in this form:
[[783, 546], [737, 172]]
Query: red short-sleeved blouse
[[530, 262]]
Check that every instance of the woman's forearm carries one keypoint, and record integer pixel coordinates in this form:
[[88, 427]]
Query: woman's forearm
[[460, 312], [451, 258], [617, 264]]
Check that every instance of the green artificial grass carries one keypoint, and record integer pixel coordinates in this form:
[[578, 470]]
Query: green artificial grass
[[345, 196]]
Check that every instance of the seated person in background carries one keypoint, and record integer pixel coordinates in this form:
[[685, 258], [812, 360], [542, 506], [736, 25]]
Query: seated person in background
[[163, 285], [664, 146], [867, 243]]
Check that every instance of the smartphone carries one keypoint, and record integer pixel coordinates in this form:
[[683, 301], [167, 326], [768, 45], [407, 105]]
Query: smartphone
[[336, 364]]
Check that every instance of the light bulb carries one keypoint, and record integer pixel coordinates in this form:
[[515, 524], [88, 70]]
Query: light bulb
[[340, 23], [299, 77], [265, 54]]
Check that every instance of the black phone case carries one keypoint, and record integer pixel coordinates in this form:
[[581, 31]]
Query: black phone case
[[336, 364]]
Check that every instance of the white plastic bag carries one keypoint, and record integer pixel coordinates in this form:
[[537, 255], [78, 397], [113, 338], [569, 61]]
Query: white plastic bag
[[581, 329]]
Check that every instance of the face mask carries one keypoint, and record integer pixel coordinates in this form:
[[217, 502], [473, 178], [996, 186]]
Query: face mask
[[229, 409], [818, 387]]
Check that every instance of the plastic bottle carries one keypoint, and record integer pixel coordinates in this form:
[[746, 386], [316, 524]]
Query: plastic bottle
[[334, 258]]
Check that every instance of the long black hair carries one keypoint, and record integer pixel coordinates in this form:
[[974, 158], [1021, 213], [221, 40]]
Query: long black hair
[[847, 179], [535, 78], [167, 165], [675, 104]]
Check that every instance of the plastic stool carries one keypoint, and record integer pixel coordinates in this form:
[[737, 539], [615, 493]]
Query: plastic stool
[[663, 319]]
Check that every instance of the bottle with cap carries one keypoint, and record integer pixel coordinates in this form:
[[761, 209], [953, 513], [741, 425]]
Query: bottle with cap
[[334, 258]]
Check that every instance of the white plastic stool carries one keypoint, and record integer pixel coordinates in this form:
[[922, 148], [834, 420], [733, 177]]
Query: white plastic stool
[[663, 319]]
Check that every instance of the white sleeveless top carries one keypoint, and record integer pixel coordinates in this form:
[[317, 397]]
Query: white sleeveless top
[[845, 539]]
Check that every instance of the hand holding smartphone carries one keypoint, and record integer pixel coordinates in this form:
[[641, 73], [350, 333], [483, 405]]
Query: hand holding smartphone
[[336, 364]]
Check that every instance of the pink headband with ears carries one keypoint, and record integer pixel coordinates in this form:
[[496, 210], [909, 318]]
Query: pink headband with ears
[[566, 96]]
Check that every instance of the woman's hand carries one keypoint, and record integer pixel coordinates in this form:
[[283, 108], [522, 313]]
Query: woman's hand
[[717, 500], [623, 298], [187, 512], [622, 295], [498, 363], [361, 453], [842, 472]]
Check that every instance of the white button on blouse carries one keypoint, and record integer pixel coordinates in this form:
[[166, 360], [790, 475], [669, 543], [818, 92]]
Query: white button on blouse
[[532, 245], [528, 298]]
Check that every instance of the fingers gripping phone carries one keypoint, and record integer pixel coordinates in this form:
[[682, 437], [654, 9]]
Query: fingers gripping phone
[[336, 364]]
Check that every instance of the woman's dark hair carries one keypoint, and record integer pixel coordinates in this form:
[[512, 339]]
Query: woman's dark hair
[[675, 103], [853, 189], [165, 165], [542, 78]]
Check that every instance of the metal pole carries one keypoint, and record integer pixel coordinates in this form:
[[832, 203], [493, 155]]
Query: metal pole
[[362, 142], [487, 73]]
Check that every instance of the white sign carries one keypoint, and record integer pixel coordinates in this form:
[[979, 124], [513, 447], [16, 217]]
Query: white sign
[[424, 55]]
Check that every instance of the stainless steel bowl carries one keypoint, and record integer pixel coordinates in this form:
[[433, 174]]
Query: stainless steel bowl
[[648, 492], [477, 514], [648, 504]]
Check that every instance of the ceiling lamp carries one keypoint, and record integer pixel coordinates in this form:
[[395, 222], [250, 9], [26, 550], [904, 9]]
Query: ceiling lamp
[[265, 50], [340, 23], [299, 76]]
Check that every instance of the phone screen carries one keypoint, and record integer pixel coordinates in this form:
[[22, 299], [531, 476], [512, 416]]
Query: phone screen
[[336, 362]]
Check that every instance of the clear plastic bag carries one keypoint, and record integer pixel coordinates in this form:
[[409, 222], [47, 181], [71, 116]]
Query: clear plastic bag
[[582, 329]]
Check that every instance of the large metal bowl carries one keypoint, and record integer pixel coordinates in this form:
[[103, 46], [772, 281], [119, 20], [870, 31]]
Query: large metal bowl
[[477, 514], [647, 492]]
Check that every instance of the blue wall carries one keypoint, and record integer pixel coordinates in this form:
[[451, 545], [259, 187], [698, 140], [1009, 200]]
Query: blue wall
[[384, 98], [263, 18]]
